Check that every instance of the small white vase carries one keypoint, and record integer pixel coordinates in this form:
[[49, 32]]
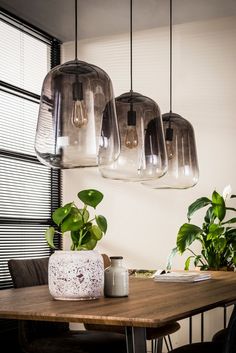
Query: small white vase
[[116, 278], [76, 275]]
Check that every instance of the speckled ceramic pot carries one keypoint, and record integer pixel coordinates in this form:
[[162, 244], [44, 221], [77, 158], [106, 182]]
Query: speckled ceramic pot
[[76, 275]]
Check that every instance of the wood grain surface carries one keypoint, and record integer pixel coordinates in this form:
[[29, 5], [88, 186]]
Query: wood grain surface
[[149, 304]]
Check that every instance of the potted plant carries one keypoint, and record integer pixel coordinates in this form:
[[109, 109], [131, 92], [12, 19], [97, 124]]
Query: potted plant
[[77, 274], [217, 234]]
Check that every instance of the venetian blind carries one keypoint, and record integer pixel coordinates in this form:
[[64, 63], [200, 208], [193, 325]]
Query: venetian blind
[[29, 191]]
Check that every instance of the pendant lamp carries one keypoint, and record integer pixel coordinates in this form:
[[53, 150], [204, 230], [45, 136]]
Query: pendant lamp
[[74, 97], [183, 169], [142, 145]]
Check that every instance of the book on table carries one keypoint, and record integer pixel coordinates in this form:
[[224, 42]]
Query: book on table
[[185, 276]]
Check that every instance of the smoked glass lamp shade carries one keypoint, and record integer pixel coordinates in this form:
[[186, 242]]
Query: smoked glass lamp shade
[[73, 100], [183, 169], [142, 146]]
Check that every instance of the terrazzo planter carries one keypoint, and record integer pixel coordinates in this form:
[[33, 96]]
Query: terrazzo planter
[[76, 275]]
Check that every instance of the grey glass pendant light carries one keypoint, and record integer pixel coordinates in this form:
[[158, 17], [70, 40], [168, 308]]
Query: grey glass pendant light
[[74, 97], [142, 145], [183, 169]]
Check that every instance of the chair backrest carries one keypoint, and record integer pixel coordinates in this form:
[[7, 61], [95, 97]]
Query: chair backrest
[[29, 272], [106, 260]]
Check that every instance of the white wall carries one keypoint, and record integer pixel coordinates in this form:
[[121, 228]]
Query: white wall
[[143, 223]]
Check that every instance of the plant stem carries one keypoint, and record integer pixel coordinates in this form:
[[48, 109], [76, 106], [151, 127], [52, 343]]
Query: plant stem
[[82, 235], [196, 255]]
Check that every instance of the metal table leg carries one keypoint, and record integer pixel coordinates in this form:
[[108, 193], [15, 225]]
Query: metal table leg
[[225, 316], [190, 330], [136, 339], [202, 327]]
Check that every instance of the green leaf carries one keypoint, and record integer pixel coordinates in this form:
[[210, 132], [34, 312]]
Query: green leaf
[[96, 232], [84, 213], [196, 205], [215, 231], [197, 260], [219, 244], [230, 232], [88, 225], [210, 216], [187, 263], [49, 235], [186, 235], [232, 220], [90, 197], [60, 213], [85, 236], [213, 227], [218, 205], [73, 221], [170, 258], [102, 223], [89, 245], [75, 235]]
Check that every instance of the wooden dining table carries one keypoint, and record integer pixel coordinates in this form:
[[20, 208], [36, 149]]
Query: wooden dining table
[[149, 304]]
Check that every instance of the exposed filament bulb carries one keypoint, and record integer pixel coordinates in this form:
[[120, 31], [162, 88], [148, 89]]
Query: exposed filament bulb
[[79, 117], [131, 137], [169, 143], [169, 149]]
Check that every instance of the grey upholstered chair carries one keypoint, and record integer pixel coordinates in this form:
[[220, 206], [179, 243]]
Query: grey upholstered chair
[[54, 337]]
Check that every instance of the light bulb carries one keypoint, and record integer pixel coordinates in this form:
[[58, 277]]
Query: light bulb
[[79, 117], [131, 138], [169, 142], [169, 149]]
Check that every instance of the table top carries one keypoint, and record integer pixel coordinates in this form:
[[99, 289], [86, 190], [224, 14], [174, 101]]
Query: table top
[[149, 304]]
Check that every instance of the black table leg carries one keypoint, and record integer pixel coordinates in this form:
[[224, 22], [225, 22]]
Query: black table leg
[[136, 339], [225, 316], [190, 329], [202, 327]]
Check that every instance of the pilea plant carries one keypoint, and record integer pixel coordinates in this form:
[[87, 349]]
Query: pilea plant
[[85, 232], [217, 234]]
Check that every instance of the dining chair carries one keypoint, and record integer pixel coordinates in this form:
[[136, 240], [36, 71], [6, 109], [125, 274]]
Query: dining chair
[[155, 335], [55, 337], [220, 336], [227, 343]]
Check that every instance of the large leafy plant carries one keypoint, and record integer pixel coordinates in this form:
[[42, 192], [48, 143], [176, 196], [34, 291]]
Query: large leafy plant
[[217, 234], [85, 231]]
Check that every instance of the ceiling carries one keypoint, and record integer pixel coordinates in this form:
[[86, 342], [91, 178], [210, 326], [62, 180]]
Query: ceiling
[[102, 17]]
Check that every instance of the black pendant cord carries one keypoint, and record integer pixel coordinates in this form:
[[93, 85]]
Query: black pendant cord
[[76, 29], [131, 47], [169, 130], [131, 116], [170, 56]]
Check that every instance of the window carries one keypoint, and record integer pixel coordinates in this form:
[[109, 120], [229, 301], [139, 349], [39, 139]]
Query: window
[[29, 191]]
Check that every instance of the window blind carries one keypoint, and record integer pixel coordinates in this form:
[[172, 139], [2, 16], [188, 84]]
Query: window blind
[[25, 59], [29, 191]]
